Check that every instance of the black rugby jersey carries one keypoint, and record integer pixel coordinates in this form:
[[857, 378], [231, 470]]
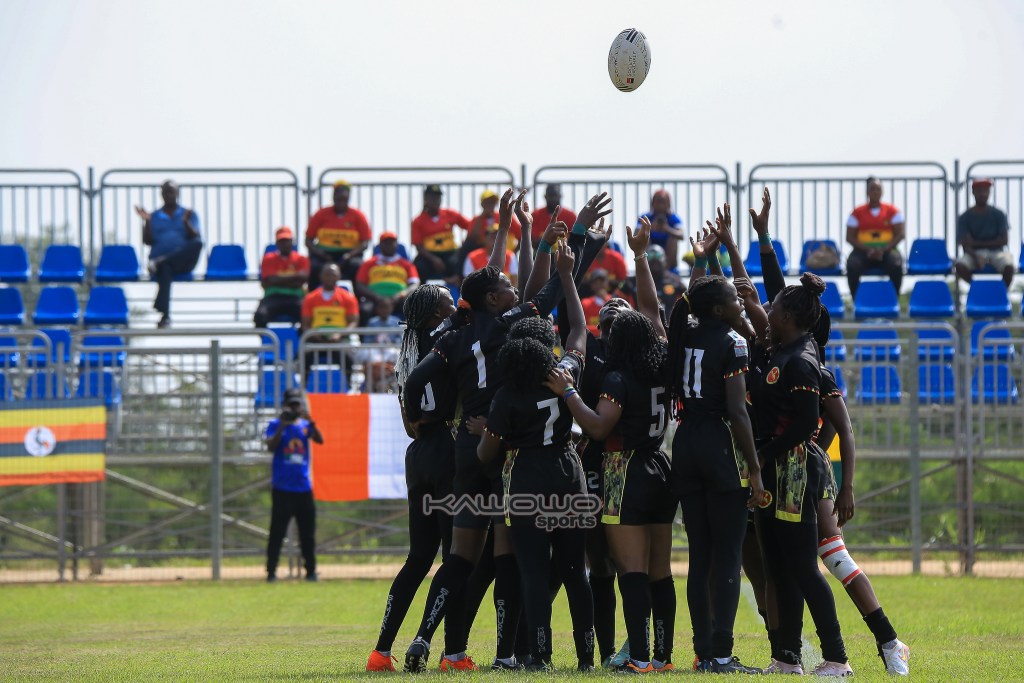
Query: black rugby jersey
[[714, 353], [535, 419], [793, 369], [438, 399], [645, 412]]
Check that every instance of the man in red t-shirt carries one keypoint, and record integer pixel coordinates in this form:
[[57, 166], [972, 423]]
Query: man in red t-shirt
[[874, 230], [433, 235], [542, 216], [386, 276], [332, 309], [283, 275], [337, 234], [478, 258]]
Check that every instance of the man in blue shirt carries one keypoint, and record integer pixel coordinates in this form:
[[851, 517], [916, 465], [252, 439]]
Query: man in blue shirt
[[172, 233], [291, 486], [666, 227]]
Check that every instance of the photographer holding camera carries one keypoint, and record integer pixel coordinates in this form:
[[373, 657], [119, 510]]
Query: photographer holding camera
[[292, 488]]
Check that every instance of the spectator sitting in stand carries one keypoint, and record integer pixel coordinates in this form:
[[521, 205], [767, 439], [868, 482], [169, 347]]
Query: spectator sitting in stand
[[874, 230], [337, 234], [433, 235], [614, 265], [542, 216], [983, 232], [330, 310], [666, 227], [482, 223], [172, 233], [379, 363], [283, 275], [477, 259], [386, 276]]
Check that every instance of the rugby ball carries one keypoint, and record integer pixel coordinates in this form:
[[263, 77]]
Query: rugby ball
[[629, 60]]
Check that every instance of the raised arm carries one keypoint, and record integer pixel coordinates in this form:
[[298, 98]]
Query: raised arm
[[555, 231], [497, 259], [646, 291], [705, 254], [525, 218], [835, 409], [577, 338]]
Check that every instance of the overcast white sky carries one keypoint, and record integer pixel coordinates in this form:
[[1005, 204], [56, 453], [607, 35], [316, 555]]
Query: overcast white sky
[[412, 82]]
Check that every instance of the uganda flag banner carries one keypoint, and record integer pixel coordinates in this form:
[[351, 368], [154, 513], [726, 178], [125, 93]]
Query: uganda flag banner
[[52, 442], [363, 454]]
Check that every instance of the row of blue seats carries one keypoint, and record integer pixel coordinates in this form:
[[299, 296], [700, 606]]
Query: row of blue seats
[[880, 385], [928, 256], [928, 299], [273, 383], [44, 384], [933, 343], [97, 351], [58, 305]]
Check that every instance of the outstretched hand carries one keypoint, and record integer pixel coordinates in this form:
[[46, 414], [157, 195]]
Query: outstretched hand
[[639, 240], [555, 231], [558, 380], [760, 220], [722, 229], [505, 208], [522, 209], [594, 209], [565, 261], [142, 213], [745, 289]]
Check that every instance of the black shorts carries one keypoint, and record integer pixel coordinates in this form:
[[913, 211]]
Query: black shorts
[[546, 483], [470, 481], [705, 456], [430, 463], [636, 488], [797, 482]]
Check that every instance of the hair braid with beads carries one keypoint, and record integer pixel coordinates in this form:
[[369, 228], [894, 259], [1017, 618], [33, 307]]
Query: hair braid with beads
[[634, 347]]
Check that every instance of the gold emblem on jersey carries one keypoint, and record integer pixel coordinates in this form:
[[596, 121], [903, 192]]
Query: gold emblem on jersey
[[773, 376]]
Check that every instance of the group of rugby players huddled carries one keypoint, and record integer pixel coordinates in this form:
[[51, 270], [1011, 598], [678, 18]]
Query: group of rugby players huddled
[[491, 408]]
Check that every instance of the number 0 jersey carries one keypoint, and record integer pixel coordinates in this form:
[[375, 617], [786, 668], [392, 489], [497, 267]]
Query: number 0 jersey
[[714, 353]]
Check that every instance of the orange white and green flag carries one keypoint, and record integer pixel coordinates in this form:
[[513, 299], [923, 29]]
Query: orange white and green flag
[[52, 442]]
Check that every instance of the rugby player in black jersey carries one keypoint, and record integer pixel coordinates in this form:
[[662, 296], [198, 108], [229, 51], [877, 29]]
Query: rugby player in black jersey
[[429, 464], [631, 416], [544, 491], [468, 358], [713, 459]]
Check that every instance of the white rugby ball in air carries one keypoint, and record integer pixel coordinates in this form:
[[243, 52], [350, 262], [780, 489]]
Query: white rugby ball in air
[[629, 60]]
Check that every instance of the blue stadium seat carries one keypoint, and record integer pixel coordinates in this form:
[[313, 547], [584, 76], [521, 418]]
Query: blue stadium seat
[[112, 354], [271, 387], [288, 338], [612, 244], [753, 261], [929, 257], [876, 299], [106, 306], [997, 385], [988, 299], [875, 352], [227, 262], [1020, 266], [56, 306], [837, 371], [326, 381], [931, 299], [60, 348], [762, 292], [99, 384], [62, 263], [936, 384], [12, 308], [879, 384], [44, 384], [118, 263], [929, 347], [832, 301], [9, 356], [184, 277], [13, 263], [993, 349], [404, 253], [835, 350], [809, 247], [5, 388]]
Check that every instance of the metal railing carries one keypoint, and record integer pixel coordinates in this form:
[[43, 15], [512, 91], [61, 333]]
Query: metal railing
[[45, 205], [1007, 193]]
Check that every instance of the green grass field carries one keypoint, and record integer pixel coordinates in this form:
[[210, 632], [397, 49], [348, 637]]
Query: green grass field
[[958, 629]]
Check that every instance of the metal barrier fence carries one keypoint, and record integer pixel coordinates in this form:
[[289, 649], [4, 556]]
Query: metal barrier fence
[[234, 205], [940, 473], [45, 205], [812, 201]]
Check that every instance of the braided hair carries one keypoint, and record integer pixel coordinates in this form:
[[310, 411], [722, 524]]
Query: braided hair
[[525, 363], [700, 300], [540, 329], [634, 347], [419, 308], [803, 301], [478, 285]]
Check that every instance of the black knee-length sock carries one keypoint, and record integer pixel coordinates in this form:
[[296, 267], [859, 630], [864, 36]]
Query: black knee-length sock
[[663, 617], [603, 589], [636, 609], [508, 603]]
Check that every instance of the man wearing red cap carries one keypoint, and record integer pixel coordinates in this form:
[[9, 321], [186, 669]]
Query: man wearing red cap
[[983, 232], [337, 234], [386, 275], [283, 275]]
